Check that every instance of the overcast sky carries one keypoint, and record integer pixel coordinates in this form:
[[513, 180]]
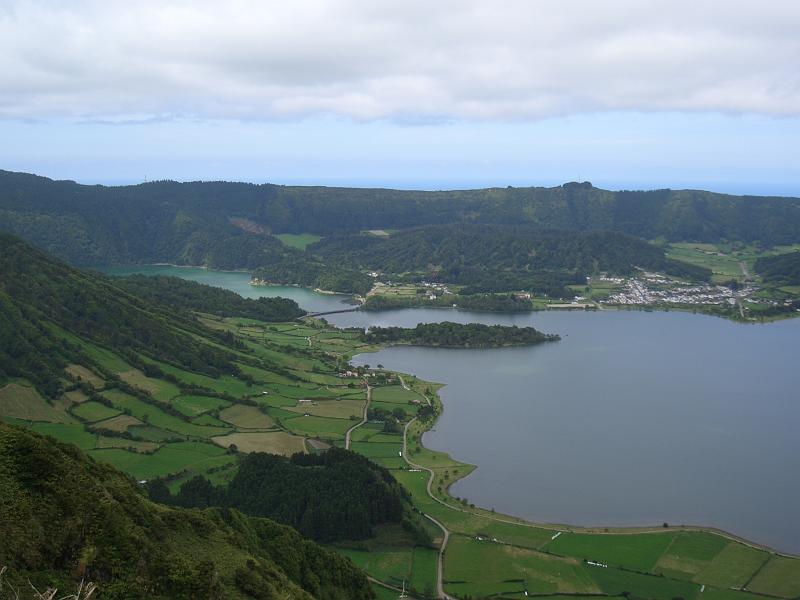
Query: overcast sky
[[626, 93]]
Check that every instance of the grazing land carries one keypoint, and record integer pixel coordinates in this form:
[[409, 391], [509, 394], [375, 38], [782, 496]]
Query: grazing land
[[272, 442], [265, 387]]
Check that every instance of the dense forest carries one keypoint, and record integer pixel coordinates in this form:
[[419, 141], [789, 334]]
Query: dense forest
[[185, 295], [308, 271], [67, 518], [228, 225], [457, 335], [487, 258], [781, 269], [336, 495]]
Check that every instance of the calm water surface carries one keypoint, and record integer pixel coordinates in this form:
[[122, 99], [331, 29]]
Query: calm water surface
[[633, 418], [239, 283]]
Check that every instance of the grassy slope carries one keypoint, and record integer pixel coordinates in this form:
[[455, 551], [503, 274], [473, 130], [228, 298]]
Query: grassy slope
[[67, 517]]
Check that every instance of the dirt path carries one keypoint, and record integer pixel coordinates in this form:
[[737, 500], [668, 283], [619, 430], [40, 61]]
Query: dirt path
[[745, 272], [363, 418]]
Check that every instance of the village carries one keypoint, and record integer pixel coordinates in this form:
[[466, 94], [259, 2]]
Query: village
[[653, 289]]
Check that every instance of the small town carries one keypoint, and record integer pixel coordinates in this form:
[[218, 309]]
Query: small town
[[653, 289]]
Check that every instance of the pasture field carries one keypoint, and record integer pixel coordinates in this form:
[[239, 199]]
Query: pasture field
[[67, 432], [724, 265], [305, 392], [273, 442], [192, 406], [373, 450], [194, 457], [225, 384], [20, 400], [779, 577], [74, 397], [394, 393], [382, 593], [246, 417], [208, 420], [337, 409], [322, 427], [368, 431], [161, 390], [105, 358], [732, 567], [132, 445], [423, 569], [391, 565], [119, 423], [81, 373], [298, 240], [262, 375], [615, 581], [639, 552], [154, 434], [485, 568], [690, 553], [153, 415], [94, 411]]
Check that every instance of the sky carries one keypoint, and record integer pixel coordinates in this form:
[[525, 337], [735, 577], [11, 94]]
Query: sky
[[628, 94]]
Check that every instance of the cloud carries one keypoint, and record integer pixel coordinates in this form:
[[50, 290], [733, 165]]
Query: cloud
[[410, 61]]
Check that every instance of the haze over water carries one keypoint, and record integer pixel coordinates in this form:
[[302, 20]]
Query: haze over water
[[633, 418]]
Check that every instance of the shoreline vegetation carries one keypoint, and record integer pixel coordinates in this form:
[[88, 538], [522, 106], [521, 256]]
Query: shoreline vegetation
[[457, 335]]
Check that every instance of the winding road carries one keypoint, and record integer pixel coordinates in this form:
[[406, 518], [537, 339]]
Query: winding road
[[363, 418], [440, 593]]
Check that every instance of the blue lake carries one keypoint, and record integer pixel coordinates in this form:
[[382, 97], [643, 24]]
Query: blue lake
[[633, 418]]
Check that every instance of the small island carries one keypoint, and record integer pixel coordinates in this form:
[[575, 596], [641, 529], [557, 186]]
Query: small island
[[458, 335]]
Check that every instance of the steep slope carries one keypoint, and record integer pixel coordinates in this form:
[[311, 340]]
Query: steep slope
[[67, 517], [41, 297]]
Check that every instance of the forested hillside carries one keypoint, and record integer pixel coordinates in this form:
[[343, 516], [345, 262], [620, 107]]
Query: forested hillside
[[185, 295], [66, 517], [41, 297], [458, 253], [227, 225], [782, 269]]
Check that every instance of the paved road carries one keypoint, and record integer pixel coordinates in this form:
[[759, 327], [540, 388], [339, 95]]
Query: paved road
[[363, 418]]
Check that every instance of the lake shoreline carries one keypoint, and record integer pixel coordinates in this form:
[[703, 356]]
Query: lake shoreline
[[565, 527]]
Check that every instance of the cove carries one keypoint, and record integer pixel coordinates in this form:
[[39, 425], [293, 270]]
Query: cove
[[238, 282]]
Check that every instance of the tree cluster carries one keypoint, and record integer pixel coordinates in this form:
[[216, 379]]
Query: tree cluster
[[458, 335], [336, 495]]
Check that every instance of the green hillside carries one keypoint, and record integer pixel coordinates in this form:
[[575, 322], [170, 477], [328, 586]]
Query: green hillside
[[228, 225], [67, 517], [195, 433], [782, 269]]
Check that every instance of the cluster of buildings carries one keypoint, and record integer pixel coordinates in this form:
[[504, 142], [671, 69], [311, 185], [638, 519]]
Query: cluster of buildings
[[655, 289]]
